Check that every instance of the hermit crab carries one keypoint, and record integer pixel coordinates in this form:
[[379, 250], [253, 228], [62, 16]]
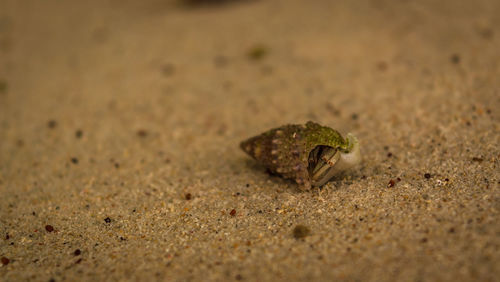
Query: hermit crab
[[309, 153]]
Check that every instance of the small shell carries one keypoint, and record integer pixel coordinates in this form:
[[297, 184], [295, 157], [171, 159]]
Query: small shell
[[310, 154]]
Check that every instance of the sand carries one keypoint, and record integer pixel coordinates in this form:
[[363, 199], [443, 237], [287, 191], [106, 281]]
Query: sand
[[120, 123]]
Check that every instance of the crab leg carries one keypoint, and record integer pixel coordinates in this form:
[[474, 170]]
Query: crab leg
[[328, 160]]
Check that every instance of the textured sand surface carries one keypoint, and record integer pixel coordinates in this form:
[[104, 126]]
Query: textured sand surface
[[120, 123]]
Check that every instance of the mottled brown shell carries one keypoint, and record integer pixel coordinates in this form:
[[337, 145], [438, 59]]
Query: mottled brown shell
[[285, 150]]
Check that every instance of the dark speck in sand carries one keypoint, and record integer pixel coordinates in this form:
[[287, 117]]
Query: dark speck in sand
[[74, 160], [49, 228], [257, 53], [391, 183], [5, 261], [382, 66], [3, 87], [78, 133], [455, 59], [20, 143], [168, 70], [52, 124], [142, 133], [77, 252], [107, 220], [188, 196], [301, 231], [486, 33], [233, 212], [427, 175], [477, 159]]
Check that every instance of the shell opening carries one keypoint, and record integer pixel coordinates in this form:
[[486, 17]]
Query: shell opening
[[321, 161], [325, 162]]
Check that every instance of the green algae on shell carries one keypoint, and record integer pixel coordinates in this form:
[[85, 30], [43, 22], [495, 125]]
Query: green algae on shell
[[310, 154]]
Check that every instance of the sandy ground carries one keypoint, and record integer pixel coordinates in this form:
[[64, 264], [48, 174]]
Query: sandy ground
[[120, 123]]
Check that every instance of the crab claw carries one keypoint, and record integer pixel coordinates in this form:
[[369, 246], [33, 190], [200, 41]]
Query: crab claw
[[335, 162]]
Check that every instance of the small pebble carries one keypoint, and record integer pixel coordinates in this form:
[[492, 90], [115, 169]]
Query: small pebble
[[168, 69], [391, 183], [77, 252], [382, 66], [142, 133], [233, 212], [427, 175], [107, 220], [257, 53], [5, 261], [74, 160], [188, 196], [78, 133], [3, 87], [52, 124], [20, 143], [455, 59], [301, 231], [49, 228]]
